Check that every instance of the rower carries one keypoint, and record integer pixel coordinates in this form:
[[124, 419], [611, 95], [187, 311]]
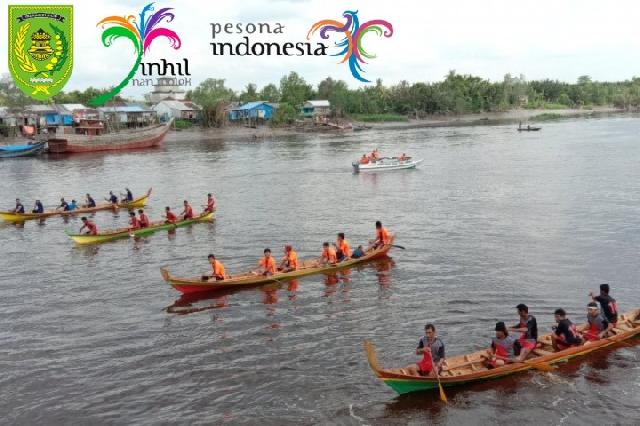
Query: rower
[[364, 159], [403, 157], [112, 198], [129, 195], [211, 204], [502, 347], [608, 304], [528, 326], [344, 249], [383, 236], [171, 217], [358, 253], [217, 267], [91, 227], [143, 219], [290, 261], [565, 334], [375, 155], [328, 256], [134, 223], [63, 205], [598, 326], [266, 265], [73, 205], [432, 350], [38, 207], [187, 213], [19, 207], [90, 201]]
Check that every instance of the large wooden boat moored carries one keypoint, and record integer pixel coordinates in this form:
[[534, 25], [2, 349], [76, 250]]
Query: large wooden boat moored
[[94, 140], [308, 267], [22, 217], [103, 237], [470, 368]]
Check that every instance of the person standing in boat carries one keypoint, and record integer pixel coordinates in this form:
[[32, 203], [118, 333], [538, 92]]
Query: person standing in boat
[[112, 198], [211, 204], [217, 268], [19, 207], [90, 201], [38, 207], [128, 195], [290, 261], [528, 326], [344, 249], [364, 159], [169, 215], [383, 236], [134, 223], [328, 255], [608, 304], [597, 326], [565, 334], [63, 205], [502, 350], [91, 227], [267, 265], [143, 219], [187, 213], [431, 347]]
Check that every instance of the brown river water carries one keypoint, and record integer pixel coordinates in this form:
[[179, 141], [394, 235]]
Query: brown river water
[[492, 218]]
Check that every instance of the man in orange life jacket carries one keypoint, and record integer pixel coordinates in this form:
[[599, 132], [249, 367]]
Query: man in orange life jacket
[[328, 256], [597, 325], [134, 223], [432, 350], [502, 349], [211, 204], [383, 236], [528, 326], [290, 261], [607, 304], [187, 213], [364, 159], [143, 219], [565, 334], [170, 216], [266, 265], [217, 268], [344, 249]]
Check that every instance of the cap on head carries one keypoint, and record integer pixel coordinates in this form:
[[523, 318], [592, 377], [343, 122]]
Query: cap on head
[[592, 305], [604, 288], [522, 308], [560, 312]]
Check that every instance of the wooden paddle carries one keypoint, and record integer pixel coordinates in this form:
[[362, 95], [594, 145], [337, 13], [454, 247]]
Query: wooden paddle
[[540, 365], [443, 396], [397, 246]]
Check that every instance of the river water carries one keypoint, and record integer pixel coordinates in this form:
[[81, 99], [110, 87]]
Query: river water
[[492, 218]]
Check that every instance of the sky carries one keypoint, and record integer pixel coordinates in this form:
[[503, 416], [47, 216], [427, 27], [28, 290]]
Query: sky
[[558, 39]]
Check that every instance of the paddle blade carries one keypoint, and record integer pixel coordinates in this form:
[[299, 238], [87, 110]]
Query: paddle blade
[[542, 366], [443, 396]]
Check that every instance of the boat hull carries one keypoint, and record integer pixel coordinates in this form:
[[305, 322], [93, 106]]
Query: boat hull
[[403, 383], [83, 239], [371, 167], [195, 285], [16, 151], [22, 217]]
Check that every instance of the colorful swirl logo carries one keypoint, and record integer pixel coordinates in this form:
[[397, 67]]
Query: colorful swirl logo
[[141, 33], [351, 44]]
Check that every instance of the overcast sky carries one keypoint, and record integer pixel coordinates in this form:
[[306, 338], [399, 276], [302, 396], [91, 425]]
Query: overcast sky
[[559, 39]]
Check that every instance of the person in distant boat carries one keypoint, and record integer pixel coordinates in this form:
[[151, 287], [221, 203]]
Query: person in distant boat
[[63, 205], [187, 213], [290, 261], [38, 207], [375, 155], [364, 159], [432, 350], [19, 207], [267, 265], [403, 157], [91, 227], [328, 256], [597, 326], [383, 236], [565, 334], [134, 223], [169, 215], [211, 204], [73, 205], [143, 219], [608, 304], [344, 249], [502, 350], [217, 268], [128, 195], [528, 326], [112, 198], [90, 201], [358, 253]]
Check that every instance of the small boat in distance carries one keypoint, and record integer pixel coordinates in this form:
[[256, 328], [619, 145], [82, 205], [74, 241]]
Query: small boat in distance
[[24, 150], [528, 128], [385, 163], [470, 368]]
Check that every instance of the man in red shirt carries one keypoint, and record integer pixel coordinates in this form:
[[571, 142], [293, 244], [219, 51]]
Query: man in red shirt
[[383, 236], [143, 219], [92, 229], [171, 218], [134, 223], [211, 204], [187, 213]]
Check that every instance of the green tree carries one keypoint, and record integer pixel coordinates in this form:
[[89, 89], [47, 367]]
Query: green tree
[[270, 93], [294, 90], [212, 95]]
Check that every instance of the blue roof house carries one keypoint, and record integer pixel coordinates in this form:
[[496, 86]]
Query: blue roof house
[[252, 110]]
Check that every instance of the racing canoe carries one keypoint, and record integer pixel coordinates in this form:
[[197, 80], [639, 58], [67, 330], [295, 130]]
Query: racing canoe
[[309, 267], [21, 217], [115, 234], [470, 368]]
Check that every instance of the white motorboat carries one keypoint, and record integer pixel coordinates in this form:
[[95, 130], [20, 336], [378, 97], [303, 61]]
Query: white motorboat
[[386, 163]]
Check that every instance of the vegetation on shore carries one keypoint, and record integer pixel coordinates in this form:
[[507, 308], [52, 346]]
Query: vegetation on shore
[[547, 116], [379, 118]]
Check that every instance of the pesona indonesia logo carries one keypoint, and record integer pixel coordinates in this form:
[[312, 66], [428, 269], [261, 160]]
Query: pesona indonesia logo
[[351, 46], [141, 31]]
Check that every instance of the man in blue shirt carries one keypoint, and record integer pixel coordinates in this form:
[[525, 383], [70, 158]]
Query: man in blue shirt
[[73, 205], [63, 205], [19, 207], [38, 207]]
